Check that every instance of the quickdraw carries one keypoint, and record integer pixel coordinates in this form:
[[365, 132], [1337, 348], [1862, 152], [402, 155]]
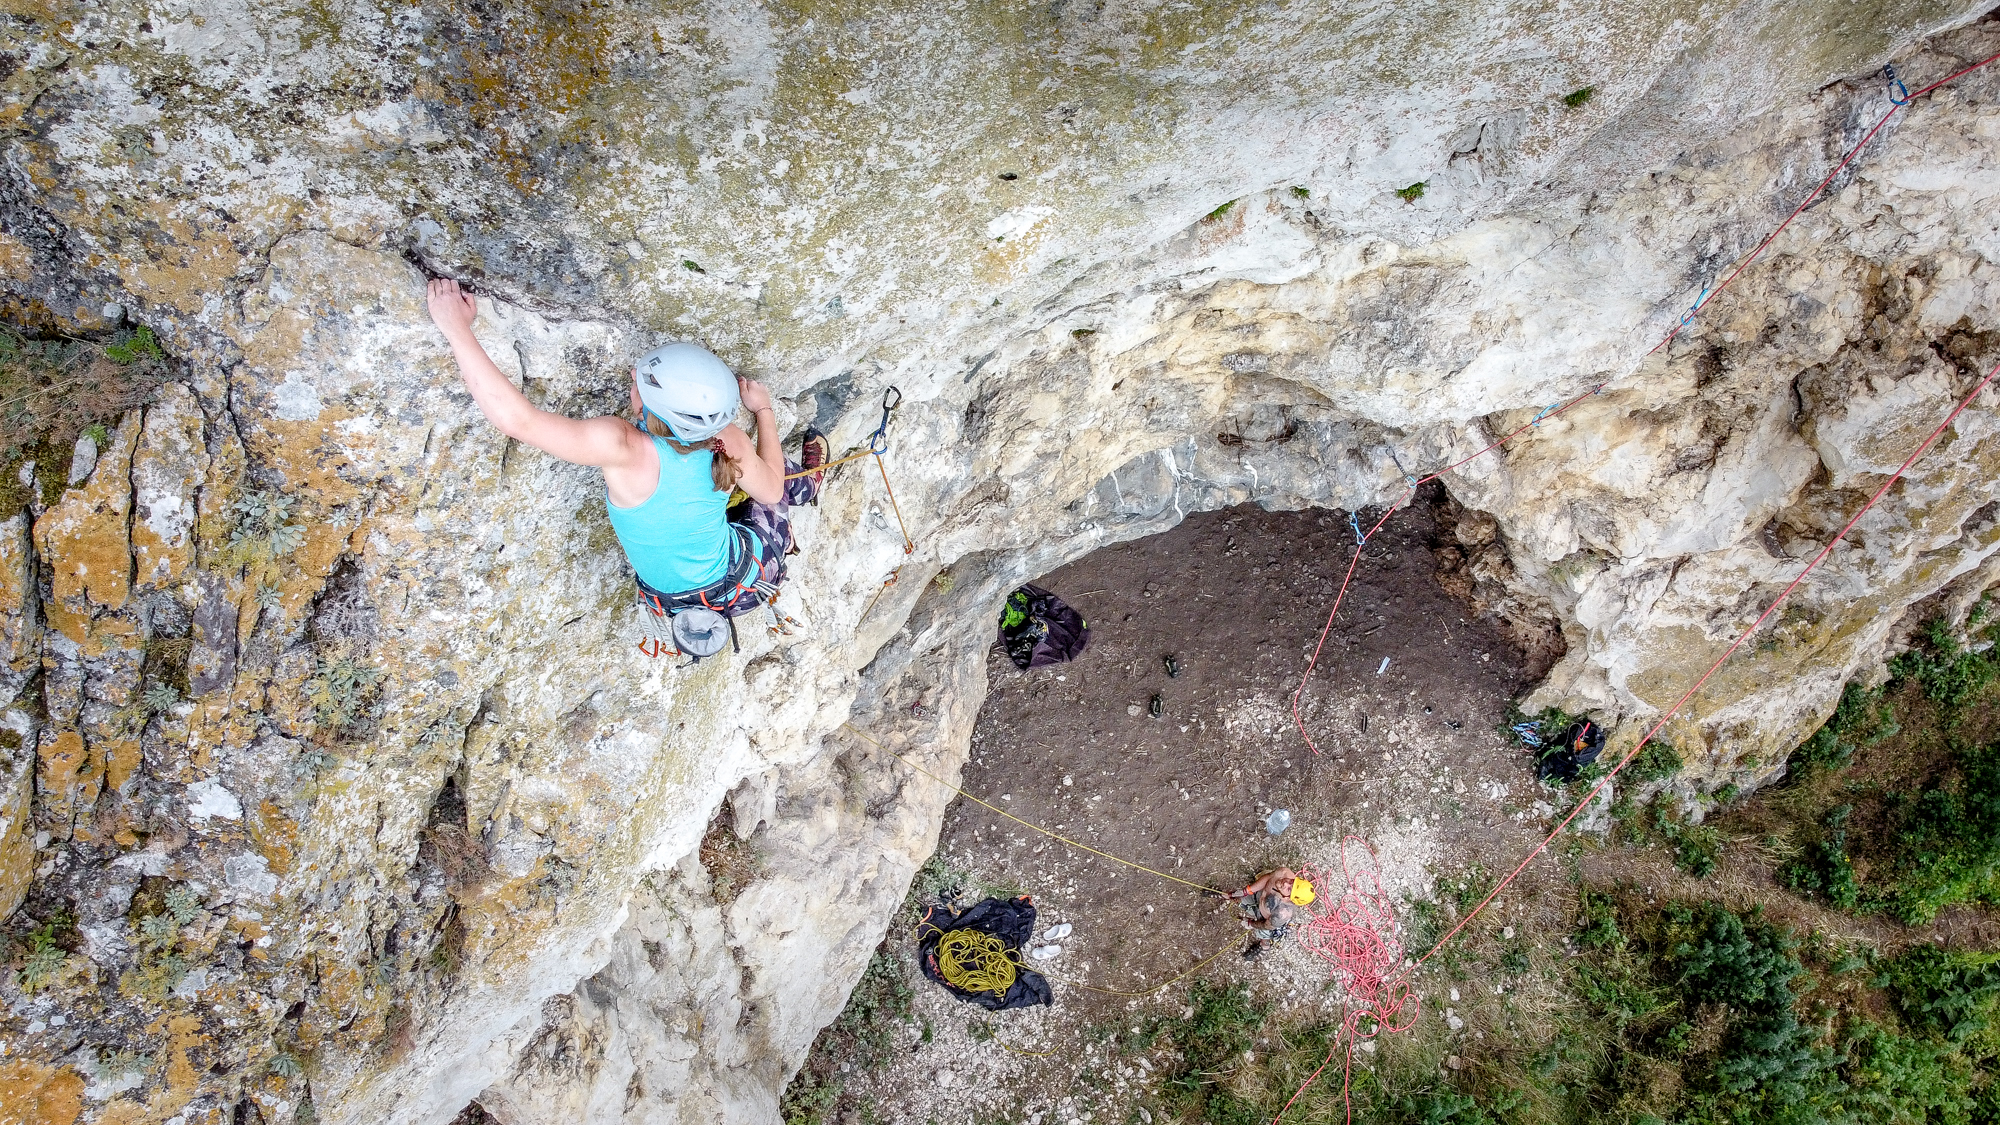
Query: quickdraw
[[1895, 85]]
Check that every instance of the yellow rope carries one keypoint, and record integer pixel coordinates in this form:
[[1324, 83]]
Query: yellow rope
[[1146, 992], [909, 545], [830, 464], [976, 962], [1029, 824]]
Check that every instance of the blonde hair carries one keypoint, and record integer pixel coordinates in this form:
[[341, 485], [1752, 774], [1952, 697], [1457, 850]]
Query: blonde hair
[[724, 470]]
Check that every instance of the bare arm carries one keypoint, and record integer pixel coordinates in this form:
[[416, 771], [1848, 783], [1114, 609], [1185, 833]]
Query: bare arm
[[605, 441], [763, 478], [1264, 881]]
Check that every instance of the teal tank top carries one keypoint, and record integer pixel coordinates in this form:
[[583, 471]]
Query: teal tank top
[[678, 539]]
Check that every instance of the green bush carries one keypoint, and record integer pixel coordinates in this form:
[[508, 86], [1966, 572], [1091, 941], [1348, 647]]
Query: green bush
[[1950, 673], [1946, 841], [1861, 718], [1948, 995], [1597, 927], [1824, 868], [1748, 966], [1895, 1078], [1656, 761]]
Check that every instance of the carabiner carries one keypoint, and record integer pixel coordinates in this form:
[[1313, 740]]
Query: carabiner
[[1895, 84], [878, 442]]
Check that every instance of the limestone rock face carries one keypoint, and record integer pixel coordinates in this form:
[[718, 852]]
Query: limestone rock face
[[321, 714]]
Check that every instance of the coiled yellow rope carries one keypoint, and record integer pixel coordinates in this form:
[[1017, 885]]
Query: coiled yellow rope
[[976, 962]]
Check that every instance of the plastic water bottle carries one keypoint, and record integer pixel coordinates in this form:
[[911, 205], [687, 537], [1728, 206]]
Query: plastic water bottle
[[1278, 821]]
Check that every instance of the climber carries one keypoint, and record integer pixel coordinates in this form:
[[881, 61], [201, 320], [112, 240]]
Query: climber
[[1268, 906], [668, 477]]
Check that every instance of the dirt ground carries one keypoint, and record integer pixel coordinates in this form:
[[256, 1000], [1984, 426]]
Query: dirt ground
[[1414, 762]]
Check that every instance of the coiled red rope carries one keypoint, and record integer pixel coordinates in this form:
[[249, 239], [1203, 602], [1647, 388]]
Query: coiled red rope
[[1377, 912], [1356, 934]]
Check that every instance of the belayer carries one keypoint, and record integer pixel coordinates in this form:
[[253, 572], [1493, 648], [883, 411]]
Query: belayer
[[668, 476], [1268, 907]]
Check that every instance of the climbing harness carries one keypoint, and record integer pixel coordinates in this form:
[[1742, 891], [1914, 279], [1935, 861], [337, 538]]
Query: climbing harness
[[744, 586], [748, 581], [1410, 967], [878, 444]]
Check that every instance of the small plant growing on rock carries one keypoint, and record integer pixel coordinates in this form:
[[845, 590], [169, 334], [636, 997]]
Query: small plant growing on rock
[[284, 1065], [183, 905], [340, 688], [52, 390], [160, 697], [1412, 193], [1219, 211], [1301, 191], [158, 932], [45, 962], [113, 1065], [154, 979], [1575, 99], [261, 532], [132, 347], [161, 966]]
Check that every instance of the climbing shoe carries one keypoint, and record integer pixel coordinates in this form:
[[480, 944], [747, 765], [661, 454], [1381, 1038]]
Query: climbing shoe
[[1173, 666], [814, 452], [1255, 951], [1156, 706]]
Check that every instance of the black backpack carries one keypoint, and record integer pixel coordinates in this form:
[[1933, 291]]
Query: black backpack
[[1037, 629], [1563, 759]]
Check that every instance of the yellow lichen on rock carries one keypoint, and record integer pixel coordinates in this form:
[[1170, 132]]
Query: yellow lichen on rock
[[33, 1093], [87, 529]]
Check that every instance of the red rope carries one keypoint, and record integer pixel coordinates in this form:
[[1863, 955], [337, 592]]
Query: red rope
[[1356, 934], [1384, 921], [1800, 209]]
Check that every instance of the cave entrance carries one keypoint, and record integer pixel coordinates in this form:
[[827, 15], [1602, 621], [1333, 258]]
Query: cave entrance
[[1238, 598], [1414, 760]]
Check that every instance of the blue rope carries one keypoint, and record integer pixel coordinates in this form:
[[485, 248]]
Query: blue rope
[[1895, 84], [1529, 732], [1359, 539], [1545, 413]]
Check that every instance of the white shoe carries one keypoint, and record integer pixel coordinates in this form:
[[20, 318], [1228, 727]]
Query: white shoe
[[1044, 952]]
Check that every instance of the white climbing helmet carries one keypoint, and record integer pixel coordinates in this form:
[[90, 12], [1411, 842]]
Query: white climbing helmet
[[688, 388]]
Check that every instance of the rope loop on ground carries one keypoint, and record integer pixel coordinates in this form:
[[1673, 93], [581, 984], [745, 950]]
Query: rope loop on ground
[[852, 729]]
